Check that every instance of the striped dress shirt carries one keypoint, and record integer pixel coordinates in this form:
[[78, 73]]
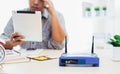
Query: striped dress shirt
[[47, 41]]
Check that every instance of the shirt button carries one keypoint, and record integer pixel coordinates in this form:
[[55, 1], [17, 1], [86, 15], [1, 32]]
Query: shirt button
[[32, 42]]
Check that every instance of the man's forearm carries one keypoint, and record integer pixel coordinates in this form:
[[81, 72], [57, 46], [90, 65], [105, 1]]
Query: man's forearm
[[58, 33]]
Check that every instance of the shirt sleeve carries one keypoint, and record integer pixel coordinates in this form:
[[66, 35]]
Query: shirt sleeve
[[8, 30], [52, 44]]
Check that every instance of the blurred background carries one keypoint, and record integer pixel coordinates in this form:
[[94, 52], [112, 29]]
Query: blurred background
[[83, 18]]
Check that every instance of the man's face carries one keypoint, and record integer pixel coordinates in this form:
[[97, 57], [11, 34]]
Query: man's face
[[36, 5]]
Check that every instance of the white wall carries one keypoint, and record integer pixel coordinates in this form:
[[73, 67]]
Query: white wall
[[6, 7], [79, 28], [117, 17]]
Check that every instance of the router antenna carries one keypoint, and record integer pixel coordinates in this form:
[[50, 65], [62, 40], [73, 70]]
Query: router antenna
[[92, 50], [66, 44]]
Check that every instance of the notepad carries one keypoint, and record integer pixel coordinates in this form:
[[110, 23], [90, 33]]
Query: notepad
[[28, 24], [13, 57], [16, 59], [41, 57]]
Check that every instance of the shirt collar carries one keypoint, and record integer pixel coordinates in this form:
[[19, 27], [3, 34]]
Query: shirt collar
[[45, 14]]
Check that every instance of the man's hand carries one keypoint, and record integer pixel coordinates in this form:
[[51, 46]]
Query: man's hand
[[49, 6], [15, 39]]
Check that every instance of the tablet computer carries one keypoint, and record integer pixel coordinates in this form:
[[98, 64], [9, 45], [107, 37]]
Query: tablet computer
[[28, 24]]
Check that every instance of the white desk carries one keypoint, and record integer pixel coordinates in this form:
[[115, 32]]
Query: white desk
[[107, 66]]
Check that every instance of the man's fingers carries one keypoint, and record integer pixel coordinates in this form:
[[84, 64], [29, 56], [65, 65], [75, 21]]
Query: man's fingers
[[16, 36], [46, 3], [18, 42]]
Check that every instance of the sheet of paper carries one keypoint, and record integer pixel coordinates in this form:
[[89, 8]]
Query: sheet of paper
[[30, 52], [27, 52]]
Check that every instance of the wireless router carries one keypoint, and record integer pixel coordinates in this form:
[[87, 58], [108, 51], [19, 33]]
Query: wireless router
[[79, 59]]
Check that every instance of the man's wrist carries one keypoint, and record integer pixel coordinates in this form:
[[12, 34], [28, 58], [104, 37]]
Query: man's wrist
[[8, 45]]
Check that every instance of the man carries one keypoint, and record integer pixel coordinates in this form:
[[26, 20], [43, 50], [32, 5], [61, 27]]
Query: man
[[53, 30]]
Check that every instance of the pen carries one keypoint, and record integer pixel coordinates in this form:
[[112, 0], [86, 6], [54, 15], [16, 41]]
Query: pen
[[15, 36], [17, 51]]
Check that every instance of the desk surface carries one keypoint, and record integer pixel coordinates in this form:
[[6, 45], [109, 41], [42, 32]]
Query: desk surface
[[107, 66]]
